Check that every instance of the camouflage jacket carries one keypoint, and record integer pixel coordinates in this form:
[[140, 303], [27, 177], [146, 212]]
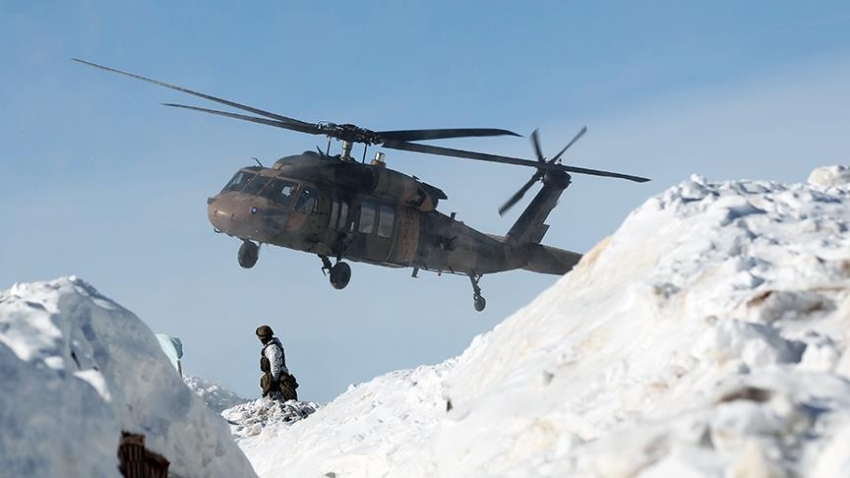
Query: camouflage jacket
[[273, 353]]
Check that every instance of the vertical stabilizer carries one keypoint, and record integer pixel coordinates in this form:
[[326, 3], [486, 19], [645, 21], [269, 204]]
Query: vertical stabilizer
[[530, 227]]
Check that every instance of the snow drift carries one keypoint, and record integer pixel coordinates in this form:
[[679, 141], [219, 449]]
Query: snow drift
[[706, 337], [78, 369]]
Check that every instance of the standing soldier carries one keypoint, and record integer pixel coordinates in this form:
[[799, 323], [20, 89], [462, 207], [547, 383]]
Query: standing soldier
[[277, 383]]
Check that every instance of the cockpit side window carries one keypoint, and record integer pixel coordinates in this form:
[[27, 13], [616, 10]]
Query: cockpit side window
[[280, 191], [238, 182], [307, 201], [257, 185]]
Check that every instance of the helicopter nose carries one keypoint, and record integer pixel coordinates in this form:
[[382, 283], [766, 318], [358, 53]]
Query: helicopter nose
[[223, 214], [240, 216]]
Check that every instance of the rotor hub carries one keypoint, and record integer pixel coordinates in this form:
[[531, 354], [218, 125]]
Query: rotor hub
[[349, 132], [557, 178]]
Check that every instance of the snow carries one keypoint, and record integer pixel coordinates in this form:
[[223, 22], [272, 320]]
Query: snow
[[215, 396], [251, 418], [707, 337], [78, 369]]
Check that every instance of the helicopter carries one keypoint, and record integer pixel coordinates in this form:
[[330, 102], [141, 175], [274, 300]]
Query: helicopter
[[337, 207]]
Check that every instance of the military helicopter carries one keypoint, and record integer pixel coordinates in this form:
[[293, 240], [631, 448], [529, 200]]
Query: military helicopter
[[339, 208]]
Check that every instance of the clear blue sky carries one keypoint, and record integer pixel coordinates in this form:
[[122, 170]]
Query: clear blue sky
[[102, 182]]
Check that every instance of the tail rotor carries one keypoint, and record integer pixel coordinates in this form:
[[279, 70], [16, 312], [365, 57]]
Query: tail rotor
[[541, 171]]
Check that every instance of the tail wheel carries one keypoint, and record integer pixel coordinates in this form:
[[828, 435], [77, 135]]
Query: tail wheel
[[248, 254], [340, 275]]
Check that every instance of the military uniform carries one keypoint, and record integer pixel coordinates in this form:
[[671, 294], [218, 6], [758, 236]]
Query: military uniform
[[276, 382]]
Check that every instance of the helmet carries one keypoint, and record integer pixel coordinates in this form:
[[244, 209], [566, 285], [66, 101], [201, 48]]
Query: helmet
[[264, 332]]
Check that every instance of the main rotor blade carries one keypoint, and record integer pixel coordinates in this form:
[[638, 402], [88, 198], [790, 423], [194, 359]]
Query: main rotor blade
[[599, 172], [519, 194], [579, 135], [457, 153], [535, 140], [223, 101], [426, 134], [309, 129], [428, 149]]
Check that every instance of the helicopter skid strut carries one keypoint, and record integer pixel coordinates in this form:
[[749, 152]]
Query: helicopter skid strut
[[478, 300]]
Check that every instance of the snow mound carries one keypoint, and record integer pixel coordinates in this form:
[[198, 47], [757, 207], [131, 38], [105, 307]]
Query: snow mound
[[707, 337], [832, 176], [251, 418], [215, 396], [78, 369]]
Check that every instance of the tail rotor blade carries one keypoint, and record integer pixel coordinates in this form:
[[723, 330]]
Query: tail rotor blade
[[579, 135], [519, 194], [535, 140]]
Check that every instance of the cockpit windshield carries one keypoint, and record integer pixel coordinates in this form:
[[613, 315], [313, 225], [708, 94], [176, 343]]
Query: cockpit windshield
[[280, 191], [256, 185], [239, 181]]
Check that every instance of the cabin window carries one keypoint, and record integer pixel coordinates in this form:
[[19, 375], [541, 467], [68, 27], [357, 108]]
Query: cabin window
[[257, 185], [307, 201], [343, 215], [334, 214], [385, 226], [280, 191], [367, 218], [238, 181]]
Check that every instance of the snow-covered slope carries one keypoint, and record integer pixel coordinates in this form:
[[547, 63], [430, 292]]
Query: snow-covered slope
[[77, 369], [707, 337]]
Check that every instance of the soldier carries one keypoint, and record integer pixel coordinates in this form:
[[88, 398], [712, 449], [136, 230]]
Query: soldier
[[277, 383]]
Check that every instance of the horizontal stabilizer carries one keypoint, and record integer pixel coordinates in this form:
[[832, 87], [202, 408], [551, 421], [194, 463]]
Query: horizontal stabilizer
[[551, 260]]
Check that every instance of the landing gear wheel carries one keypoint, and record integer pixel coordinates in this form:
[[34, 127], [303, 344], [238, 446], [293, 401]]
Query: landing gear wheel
[[340, 275], [248, 254], [480, 303]]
